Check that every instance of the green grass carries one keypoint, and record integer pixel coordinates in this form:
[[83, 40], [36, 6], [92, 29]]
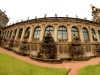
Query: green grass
[[12, 66], [90, 70]]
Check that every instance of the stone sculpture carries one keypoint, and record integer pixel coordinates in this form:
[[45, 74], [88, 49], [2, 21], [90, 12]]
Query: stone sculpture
[[23, 48], [76, 51], [47, 48]]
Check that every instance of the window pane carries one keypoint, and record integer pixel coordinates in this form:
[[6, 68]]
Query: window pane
[[49, 28], [75, 31], [93, 32], [37, 32], [62, 32], [99, 33], [20, 33], [28, 31], [85, 34]]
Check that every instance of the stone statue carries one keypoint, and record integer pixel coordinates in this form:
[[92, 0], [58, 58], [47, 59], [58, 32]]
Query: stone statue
[[94, 37], [76, 16], [45, 15], [47, 49], [35, 17], [23, 47], [76, 51], [95, 14], [55, 15]]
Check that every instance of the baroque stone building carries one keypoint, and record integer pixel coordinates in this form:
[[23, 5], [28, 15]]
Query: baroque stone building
[[62, 30]]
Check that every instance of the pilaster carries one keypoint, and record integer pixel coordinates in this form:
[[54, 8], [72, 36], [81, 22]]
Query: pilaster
[[31, 34], [24, 29], [55, 32], [42, 32], [81, 34], [69, 34], [17, 34], [90, 35]]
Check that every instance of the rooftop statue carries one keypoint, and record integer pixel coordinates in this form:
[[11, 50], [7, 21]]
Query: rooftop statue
[[95, 14]]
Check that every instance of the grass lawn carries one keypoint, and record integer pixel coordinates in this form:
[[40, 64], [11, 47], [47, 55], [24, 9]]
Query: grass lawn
[[90, 70], [12, 66]]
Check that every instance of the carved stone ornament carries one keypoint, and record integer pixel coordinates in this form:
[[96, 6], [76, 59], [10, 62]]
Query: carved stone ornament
[[47, 48]]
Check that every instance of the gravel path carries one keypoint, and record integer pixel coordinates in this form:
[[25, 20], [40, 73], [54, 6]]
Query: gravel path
[[74, 65]]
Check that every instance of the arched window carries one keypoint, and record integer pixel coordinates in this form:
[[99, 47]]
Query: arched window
[[10, 34], [37, 32], [51, 29], [75, 32], [15, 32], [85, 34], [93, 33], [99, 33], [20, 33], [62, 32], [28, 31]]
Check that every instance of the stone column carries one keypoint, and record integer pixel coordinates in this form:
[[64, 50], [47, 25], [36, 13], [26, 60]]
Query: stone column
[[55, 33], [81, 34], [24, 29], [5, 35], [69, 34], [12, 33], [8, 34], [17, 34], [31, 34], [42, 32]]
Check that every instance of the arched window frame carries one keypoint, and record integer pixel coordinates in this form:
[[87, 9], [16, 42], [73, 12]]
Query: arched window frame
[[99, 33], [51, 29], [74, 30], [93, 33], [85, 34], [20, 33], [37, 31], [62, 32], [15, 32], [28, 29]]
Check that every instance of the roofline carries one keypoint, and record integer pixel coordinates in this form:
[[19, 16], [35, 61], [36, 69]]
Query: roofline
[[54, 19]]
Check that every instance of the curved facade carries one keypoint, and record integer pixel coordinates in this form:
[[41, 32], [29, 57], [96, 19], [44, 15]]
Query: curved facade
[[62, 30]]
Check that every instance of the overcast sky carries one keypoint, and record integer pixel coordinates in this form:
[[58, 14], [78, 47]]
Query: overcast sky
[[22, 9]]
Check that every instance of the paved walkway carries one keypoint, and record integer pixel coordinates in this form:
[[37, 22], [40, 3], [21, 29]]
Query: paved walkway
[[75, 65]]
